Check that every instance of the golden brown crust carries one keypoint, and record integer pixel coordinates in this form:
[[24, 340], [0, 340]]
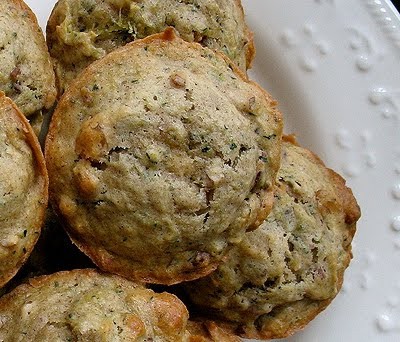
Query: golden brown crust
[[27, 73], [114, 264], [208, 331], [250, 49], [350, 206], [26, 189], [87, 305], [282, 326], [288, 270]]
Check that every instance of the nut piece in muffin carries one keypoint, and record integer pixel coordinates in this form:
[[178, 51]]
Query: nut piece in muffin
[[23, 189], [26, 73], [82, 31], [290, 268], [85, 305], [161, 155]]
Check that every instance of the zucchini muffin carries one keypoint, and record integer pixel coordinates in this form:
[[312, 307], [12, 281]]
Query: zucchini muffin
[[23, 189], [26, 73], [82, 31], [85, 305], [290, 268], [161, 155]]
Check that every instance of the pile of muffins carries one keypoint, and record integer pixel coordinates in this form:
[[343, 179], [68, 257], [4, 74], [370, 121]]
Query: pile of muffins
[[167, 168]]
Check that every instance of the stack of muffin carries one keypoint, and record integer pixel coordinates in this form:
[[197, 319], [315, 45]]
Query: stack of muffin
[[168, 169]]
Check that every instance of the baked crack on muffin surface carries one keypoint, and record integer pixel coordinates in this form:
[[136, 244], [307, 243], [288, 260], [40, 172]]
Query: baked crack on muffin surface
[[26, 73], [82, 31], [23, 189], [290, 268], [160, 156]]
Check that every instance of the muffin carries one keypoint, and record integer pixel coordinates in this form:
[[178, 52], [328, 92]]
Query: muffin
[[85, 305], [23, 189], [290, 268], [161, 155], [26, 73], [82, 31]]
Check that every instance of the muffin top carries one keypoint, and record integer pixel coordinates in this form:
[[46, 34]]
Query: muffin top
[[160, 156], [23, 189], [82, 31], [85, 305], [290, 268], [26, 73]]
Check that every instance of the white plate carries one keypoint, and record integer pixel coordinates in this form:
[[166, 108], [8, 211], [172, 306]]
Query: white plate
[[334, 67]]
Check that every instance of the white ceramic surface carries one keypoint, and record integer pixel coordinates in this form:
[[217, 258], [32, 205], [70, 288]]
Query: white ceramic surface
[[334, 67]]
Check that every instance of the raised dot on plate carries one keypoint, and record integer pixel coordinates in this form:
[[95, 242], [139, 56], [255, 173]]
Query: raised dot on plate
[[365, 281], [369, 258], [396, 191], [396, 223], [288, 38], [387, 113], [371, 160], [308, 29], [377, 96], [364, 63], [351, 170], [343, 139], [322, 48], [308, 64], [386, 323]]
